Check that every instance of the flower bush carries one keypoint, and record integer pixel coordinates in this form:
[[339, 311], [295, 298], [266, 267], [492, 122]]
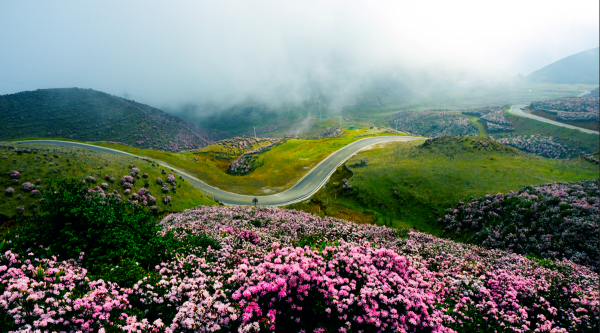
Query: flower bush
[[571, 108], [432, 123], [247, 162], [269, 269], [536, 144], [557, 221], [28, 187], [9, 191], [14, 174]]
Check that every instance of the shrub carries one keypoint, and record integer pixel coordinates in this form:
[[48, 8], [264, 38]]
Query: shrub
[[165, 188], [28, 187], [20, 209], [14, 174], [9, 191], [104, 186], [159, 181], [105, 230]]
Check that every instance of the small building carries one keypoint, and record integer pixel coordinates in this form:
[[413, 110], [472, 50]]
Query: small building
[[351, 127]]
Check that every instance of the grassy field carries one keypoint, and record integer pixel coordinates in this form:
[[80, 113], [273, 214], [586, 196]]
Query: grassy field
[[429, 179], [46, 162], [281, 167]]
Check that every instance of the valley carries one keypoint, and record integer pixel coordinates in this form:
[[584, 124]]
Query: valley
[[306, 167]]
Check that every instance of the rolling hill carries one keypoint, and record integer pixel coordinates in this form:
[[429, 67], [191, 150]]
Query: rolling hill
[[578, 68], [89, 115]]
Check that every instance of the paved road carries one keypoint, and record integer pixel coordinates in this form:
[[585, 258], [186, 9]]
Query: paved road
[[516, 109], [305, 188]]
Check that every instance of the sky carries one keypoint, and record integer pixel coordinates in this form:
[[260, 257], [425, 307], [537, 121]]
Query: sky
[[167, 53]]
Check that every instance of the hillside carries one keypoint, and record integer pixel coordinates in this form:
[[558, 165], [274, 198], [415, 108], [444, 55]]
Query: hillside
[[38, 164], [412, 184], [578, 68], [89, 115]]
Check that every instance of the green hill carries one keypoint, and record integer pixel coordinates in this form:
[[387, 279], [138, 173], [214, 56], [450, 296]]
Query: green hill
[[37, 164], [89, 115], [411, 184], [579, 68]]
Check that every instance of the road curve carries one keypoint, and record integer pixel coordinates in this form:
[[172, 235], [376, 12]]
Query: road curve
[[302, 190], [516, 110]]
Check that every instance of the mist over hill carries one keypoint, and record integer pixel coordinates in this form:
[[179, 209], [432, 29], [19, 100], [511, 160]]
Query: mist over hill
[[578, 68], [89, 115]]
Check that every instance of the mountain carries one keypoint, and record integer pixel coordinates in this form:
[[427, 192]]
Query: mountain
[[578, 68], [89, 115]]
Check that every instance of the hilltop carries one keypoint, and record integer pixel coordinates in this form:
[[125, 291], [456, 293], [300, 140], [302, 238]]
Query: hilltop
[[89, 115], [581, 67]]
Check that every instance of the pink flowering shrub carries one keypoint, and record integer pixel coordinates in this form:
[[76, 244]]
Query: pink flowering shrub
[[159, 181], [432, 123], [14, 174], [20, 209], [559, 220], [9, 191], [536, 144], [56, 295], [273, 270], [28, 187], [171, 179], [247, 162], [571, 108]]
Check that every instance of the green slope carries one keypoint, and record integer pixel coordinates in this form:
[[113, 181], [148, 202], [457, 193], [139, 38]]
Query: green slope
[[46, 163], [430, 178], [89, 115], [578, 68]]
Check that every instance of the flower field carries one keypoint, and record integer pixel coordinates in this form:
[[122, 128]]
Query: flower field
[[431, 123], [536, 144], [554, 221], [271, 269], [571, 108]]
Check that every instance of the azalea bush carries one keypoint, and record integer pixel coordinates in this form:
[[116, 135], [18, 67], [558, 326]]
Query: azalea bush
[[554, 221], [571, 108], [537, 144], [432, 123], [248, 269]]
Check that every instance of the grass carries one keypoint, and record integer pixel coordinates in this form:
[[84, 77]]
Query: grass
[[63, 162], [430, 179], [280, 168]]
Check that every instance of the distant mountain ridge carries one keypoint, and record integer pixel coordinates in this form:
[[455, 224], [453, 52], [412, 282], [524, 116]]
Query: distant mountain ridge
[[581, 67], [89, 115]]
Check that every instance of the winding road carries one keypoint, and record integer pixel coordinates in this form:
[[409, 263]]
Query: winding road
[[302, 190], [516, 110]]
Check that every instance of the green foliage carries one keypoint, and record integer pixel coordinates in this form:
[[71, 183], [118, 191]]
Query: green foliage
[[119, 241], [105, 230]]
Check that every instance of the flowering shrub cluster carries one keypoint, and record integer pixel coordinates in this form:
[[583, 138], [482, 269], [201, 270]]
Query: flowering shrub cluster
[[127, 181], [491, 127], [28, 187], [496, 117], [171, 179], [559, 220], [431, 123], [576, 116], [536, 144], [571, 108], [242, 145], [14, 174], [270, 269], [247, 162]]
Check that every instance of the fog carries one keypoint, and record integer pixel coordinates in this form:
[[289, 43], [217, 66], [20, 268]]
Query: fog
[[177, 53]]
